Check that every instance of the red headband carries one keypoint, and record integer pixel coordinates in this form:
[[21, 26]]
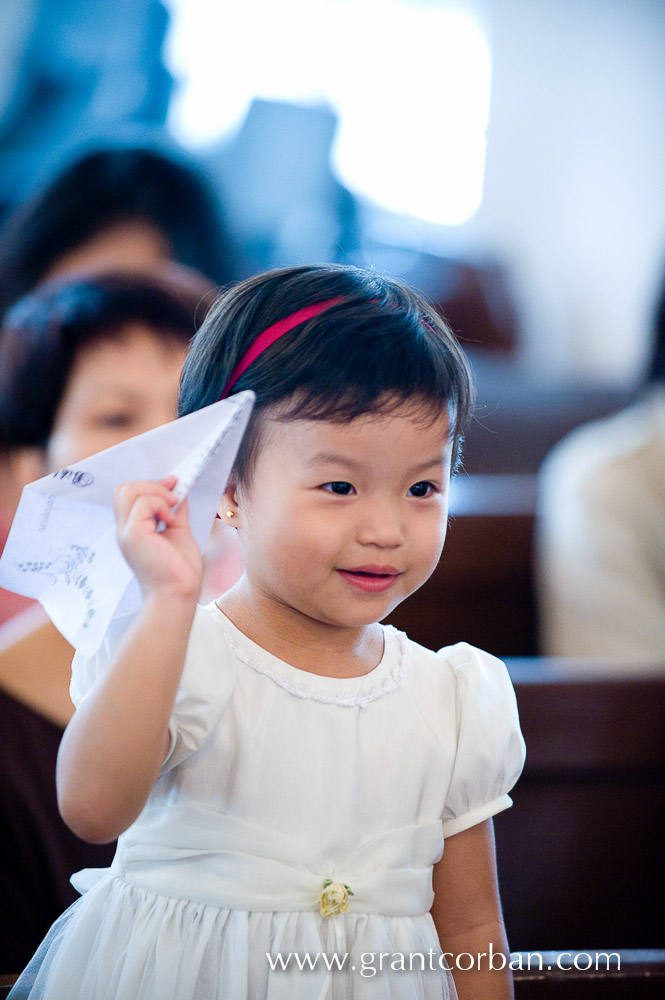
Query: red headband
[[272, 334]]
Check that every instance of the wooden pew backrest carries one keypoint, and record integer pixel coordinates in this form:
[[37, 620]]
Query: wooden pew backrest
[[631, 975], [581, 854]]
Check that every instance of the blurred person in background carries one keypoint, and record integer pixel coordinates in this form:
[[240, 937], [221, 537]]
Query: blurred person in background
[[84, 364], [139, 210], [601, 532], [111, 209]]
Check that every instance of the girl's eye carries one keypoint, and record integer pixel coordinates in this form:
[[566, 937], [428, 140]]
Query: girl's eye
[[422, 490], [340, 488]]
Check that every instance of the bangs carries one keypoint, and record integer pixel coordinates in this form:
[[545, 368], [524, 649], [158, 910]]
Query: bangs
[[359, 400], [387, 365]]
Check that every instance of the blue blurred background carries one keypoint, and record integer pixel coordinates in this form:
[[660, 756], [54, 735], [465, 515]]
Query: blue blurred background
[[506, 157]]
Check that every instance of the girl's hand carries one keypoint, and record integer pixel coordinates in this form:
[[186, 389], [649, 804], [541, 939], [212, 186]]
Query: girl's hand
[[166, 561]]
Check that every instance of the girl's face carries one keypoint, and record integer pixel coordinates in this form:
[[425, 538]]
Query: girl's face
[[341, 522], [117, 388]]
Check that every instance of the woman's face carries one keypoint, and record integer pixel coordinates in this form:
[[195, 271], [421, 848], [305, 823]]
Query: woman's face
[[117, 388], [133, 246]]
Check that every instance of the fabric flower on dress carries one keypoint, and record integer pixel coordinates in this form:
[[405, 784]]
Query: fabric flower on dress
[[334, 898]]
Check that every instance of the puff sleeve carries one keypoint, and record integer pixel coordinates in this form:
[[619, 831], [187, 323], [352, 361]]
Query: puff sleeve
[[490, 748], [206, 684]]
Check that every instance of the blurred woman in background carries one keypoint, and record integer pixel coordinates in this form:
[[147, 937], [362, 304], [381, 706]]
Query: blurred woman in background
[[135, 210], [112, 209], [84, 364]]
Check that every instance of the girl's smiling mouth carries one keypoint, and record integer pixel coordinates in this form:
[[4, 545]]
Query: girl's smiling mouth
[[373, 579]]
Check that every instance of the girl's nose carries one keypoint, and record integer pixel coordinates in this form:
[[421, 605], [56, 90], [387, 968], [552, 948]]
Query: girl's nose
[[381, 525]]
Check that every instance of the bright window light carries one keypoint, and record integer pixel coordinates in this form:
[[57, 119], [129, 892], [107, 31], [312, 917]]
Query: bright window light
[[409, 81]]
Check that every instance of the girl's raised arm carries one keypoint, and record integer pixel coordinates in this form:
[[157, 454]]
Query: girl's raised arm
[[467, 915], [115, 744]]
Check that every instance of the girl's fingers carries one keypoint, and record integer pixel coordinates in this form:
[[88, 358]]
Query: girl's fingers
[[170, 558], [181, 515], [145, 515], [127, 495]]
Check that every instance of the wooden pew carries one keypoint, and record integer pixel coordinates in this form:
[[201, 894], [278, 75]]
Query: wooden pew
[[580, 854], [482, 590], [632, 975], [518, 419]]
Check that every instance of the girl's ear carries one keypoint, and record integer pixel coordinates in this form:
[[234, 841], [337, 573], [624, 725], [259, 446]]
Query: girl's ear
[[228, 509]]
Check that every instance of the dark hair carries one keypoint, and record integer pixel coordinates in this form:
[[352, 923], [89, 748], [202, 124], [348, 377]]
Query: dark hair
[[44, 332], [656, 370], [380, 342], [110, 186]]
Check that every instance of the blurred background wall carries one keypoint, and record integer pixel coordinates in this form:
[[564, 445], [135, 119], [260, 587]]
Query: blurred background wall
[[548, 246]]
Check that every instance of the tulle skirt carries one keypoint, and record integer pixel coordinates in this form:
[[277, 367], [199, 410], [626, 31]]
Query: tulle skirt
[[123, 942]]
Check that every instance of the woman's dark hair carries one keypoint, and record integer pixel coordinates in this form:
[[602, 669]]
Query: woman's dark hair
[[110, 186], [656, 370], [382, 342], [44, 332]]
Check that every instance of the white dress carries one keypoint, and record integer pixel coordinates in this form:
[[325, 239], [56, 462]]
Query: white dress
[[277, 780]]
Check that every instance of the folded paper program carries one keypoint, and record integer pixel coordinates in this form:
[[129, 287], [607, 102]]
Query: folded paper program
[[62, 547]]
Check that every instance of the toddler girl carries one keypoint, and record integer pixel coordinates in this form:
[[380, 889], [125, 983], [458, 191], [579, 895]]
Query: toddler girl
[[283, 770]]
